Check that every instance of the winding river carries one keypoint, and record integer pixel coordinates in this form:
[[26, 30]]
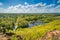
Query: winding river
[[31, 24], [35, 23]]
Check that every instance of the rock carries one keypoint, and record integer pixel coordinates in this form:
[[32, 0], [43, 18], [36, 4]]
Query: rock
[[8, 36], [52, 35], [4, 37]]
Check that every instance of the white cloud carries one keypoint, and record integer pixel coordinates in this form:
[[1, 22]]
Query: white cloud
[[58, 1], [58, 7], [40, 4], [25, 3], [33, 8], [25, 8], [2, 10], [1, 3], [51, 5]]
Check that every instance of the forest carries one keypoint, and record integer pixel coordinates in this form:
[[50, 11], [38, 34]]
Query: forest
[[28, 26]]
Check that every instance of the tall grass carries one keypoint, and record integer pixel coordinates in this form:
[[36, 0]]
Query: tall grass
[[35, 33]]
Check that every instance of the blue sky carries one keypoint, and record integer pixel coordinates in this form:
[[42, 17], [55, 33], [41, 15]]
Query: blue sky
[[29, 6], [15, 2]]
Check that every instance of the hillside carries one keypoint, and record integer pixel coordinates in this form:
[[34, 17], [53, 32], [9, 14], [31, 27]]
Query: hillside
[[48, 31], [35, 33]]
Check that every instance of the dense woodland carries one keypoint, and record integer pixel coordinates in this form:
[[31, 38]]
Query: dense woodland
[[18, 24]]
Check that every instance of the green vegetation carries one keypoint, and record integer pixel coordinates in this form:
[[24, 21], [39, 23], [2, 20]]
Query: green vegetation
[[35, 33], [19, 22]]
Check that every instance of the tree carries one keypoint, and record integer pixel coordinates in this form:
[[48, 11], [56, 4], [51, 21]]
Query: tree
[[21, 23]]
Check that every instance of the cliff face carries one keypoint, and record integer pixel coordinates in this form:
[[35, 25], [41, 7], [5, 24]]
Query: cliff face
[[52, 35]]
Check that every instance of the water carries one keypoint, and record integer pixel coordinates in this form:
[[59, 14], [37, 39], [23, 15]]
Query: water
[[35, 23], [31, 24]]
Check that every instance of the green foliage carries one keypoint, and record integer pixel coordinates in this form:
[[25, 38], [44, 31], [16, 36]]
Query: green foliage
[[13, 38], [35, 33], [21, 23], [9, 21]]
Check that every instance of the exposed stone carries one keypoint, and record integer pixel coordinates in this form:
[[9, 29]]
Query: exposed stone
[[52, 35], [8, 36]]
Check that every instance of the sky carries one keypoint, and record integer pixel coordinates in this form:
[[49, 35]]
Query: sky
[[29, 6]]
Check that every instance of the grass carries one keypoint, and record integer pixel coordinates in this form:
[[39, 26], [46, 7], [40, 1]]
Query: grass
[[35, 33]]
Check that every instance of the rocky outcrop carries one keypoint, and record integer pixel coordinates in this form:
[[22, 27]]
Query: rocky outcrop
[[4, 37], [52, 35], [8, 36]]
